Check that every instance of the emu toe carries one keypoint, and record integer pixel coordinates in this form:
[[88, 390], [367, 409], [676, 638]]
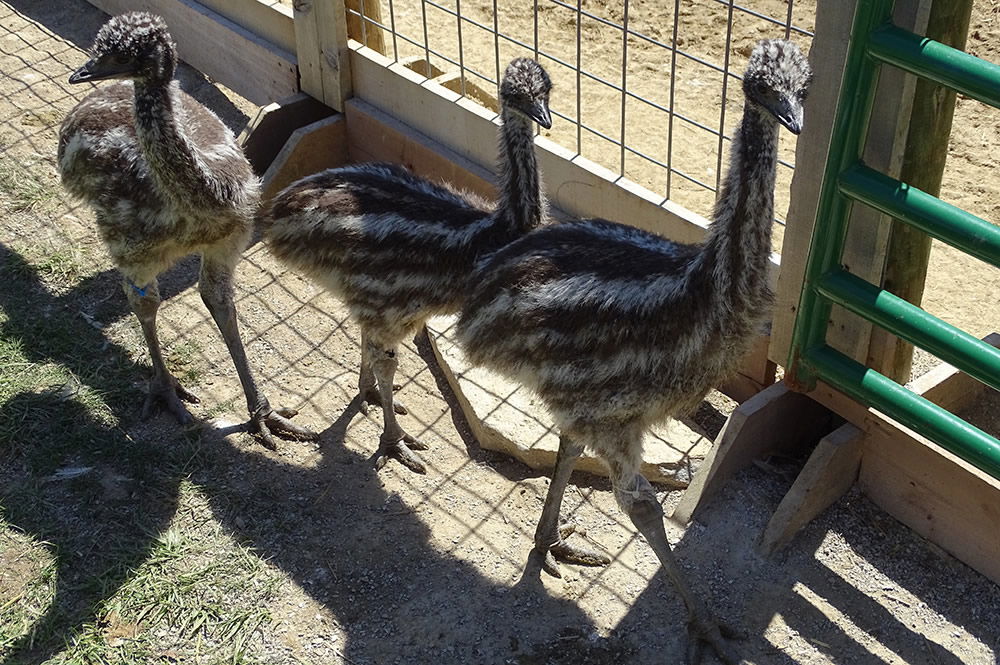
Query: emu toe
[[371, 397], [567, 553], [276, 421], [704, 631], [401, 447], [168, 393]]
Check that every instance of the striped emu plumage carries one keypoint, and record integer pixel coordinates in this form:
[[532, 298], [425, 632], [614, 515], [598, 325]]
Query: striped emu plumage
[[616, 328], [165, 178], [397, 249]]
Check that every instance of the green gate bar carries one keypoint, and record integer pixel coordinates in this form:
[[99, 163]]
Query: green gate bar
[[875, 40]]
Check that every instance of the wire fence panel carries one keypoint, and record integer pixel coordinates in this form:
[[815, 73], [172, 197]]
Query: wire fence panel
[[649, 90]]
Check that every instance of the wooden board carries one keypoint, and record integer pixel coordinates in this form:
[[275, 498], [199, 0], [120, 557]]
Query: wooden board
[[315, 147], [266, 134], [222, 50], [267, 19], [321, 45], [573, 184]]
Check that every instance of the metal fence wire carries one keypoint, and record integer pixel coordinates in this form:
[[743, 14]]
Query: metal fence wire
[[648, 89]]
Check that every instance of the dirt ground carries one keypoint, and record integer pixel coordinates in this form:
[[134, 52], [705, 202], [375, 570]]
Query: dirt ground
[[123, 541]]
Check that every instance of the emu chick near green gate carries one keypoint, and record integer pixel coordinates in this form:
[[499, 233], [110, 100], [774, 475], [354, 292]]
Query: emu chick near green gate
[[397, 249], [616, 328], [165, 178]]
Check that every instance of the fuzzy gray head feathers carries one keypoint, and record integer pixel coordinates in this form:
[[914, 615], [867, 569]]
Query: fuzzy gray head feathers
[[777, 79], [134, 45], [525, 87]]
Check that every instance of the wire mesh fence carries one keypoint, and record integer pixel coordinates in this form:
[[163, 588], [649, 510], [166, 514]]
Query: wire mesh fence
[[649, 90]]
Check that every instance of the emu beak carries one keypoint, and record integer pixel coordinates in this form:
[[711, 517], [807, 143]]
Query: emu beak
[[83, 74], [539, 112], [98, 69], [789, 114]]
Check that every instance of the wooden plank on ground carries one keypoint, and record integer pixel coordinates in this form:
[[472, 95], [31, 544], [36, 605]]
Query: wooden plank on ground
[[222, 50], [830, 471], [266, 134], [315, 147], [935, 493], [321, 49], [950, 388], [773, 419], [573, 184], [265, 18]]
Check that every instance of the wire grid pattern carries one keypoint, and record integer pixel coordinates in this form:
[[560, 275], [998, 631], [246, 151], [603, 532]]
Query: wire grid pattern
[[469, 522], [648, 90]]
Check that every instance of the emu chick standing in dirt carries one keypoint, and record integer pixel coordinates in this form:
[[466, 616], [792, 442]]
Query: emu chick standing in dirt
[[165, 178], [397, 249], [616, 328]]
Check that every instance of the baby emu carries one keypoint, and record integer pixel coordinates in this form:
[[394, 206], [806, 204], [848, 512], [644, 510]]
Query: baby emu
[[616, 328], [397, 249], [166, 179]]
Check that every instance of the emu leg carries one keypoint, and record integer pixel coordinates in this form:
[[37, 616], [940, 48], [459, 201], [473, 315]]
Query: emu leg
[[394, 442], [215, 285], [647, 515], [164, 389], [367, 386], [549, 536]]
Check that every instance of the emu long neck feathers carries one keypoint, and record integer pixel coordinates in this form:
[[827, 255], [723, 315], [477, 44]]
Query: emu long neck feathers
[[171, 156], [735, 256], [520, 203]]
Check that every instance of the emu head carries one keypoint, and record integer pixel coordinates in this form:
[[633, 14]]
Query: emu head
[[525, 88], [777, 80], [135, 45]]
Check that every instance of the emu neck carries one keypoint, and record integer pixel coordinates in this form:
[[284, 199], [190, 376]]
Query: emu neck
[[735, 257], [520, 205], [169, 153]]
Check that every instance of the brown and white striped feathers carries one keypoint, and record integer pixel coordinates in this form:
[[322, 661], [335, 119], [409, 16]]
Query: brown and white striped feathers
[[163, 173], [615, 327], [398, 249]]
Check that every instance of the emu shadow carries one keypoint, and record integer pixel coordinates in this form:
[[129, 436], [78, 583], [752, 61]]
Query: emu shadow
[[748, 590]]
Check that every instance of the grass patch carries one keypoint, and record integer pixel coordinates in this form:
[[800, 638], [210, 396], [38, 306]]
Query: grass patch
[[27, 582], [184, 360], [21, 191]]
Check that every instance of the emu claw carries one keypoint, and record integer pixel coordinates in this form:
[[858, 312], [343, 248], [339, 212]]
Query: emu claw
[[266, 421], [702, 631], [563, 551], [401, 447], [371, 397], [168, 392]]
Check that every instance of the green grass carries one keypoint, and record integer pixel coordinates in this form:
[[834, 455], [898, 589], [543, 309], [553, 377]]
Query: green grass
[[20, 190]]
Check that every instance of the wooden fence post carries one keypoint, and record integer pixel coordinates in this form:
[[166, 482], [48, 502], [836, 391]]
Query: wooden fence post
[[923, 167], [322, 50]]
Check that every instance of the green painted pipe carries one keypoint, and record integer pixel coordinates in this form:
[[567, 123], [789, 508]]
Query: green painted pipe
[[974, 357], [930, 214], [869, 387], [937, 62]]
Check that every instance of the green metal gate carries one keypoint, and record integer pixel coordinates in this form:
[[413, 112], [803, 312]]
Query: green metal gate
[[876, 42]]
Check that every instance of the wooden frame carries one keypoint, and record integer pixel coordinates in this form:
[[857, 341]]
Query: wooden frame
[[255, 68]]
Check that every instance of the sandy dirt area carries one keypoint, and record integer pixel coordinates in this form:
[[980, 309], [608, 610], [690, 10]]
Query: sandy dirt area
[[149, 554]]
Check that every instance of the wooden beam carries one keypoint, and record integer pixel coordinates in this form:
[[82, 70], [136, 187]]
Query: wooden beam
[[773, 419], [222, 50], [321, 48], [267, 19], [266, 134], [367, 33], [950, 388], [310, 149], [830, 471], [574, 184]]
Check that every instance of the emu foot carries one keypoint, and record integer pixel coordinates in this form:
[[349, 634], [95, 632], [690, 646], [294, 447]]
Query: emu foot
[[578, 554], [167, 392], [371, 397], [401, 447], [267, 422], [703, 631]]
